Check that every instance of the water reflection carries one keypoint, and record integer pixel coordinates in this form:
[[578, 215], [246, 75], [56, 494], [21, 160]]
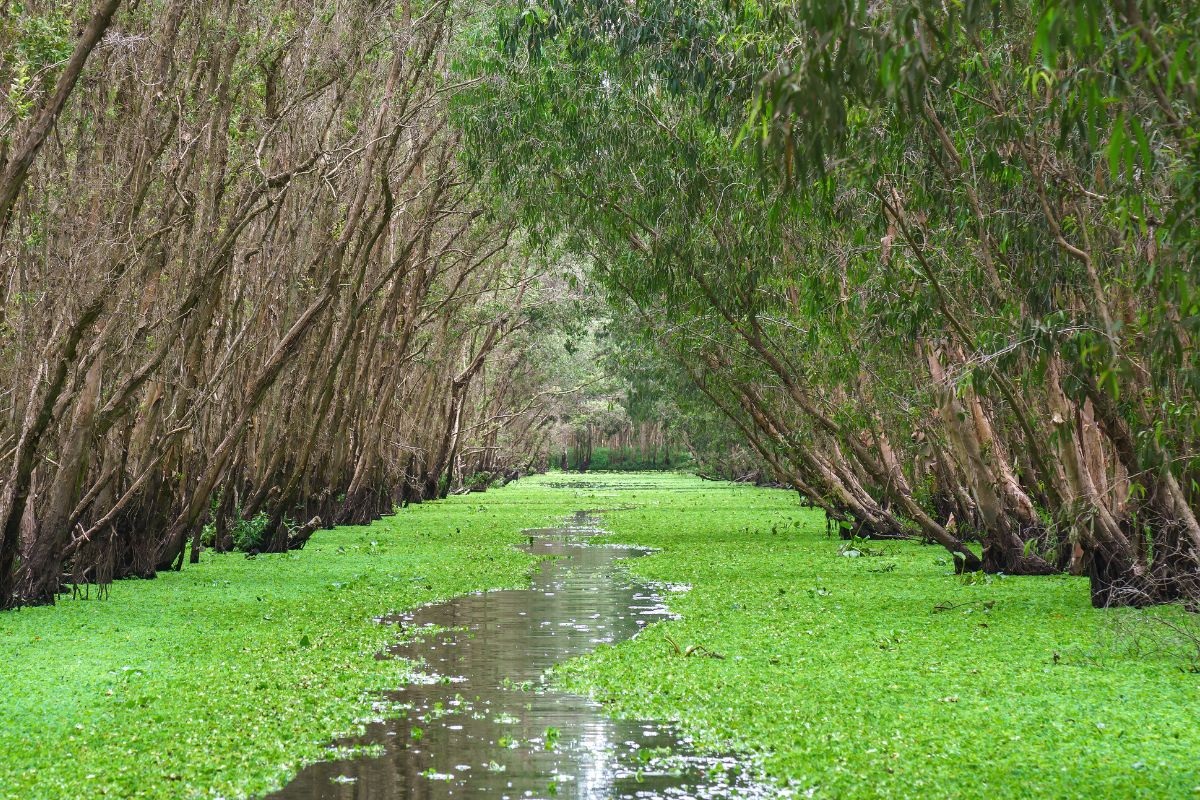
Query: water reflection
[[483, 723]]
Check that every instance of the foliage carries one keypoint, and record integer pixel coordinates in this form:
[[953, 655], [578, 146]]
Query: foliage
[[248, 534], [934, 263]]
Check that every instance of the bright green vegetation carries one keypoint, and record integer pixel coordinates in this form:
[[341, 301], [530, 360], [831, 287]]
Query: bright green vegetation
[[839, 669], [220, 680]]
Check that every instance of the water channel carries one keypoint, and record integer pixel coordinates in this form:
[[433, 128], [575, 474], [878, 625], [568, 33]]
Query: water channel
[[482, 721]]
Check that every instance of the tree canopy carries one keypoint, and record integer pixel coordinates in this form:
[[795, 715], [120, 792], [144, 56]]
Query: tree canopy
[[934, 262]]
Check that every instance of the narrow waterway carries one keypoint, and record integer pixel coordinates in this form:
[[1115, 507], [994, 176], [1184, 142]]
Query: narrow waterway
[[483, 722]]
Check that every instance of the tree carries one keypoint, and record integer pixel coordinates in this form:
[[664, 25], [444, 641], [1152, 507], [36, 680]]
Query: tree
[[933, 262]]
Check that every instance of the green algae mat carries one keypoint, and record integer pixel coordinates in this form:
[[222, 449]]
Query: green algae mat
[[851, 670]]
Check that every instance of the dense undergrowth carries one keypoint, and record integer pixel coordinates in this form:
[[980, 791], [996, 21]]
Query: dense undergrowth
[[846, 674], [221, 680]]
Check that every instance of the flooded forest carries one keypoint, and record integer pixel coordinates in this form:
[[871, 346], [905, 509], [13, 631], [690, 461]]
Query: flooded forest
[[599, 398]]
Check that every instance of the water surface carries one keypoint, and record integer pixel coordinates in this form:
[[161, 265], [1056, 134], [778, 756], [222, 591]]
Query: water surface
[[483, 723]]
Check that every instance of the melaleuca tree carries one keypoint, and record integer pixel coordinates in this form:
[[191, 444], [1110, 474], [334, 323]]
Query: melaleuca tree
[[248, 289], [937, 260]]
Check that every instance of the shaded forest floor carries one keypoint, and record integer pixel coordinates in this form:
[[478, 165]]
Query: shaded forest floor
[[221, 680]]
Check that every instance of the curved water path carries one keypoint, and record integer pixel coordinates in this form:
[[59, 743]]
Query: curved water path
[[483, 722]]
